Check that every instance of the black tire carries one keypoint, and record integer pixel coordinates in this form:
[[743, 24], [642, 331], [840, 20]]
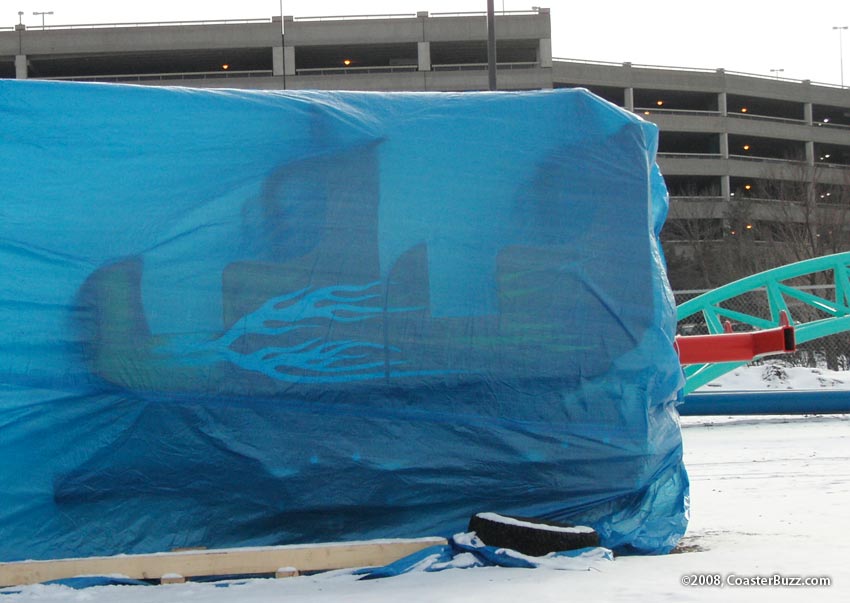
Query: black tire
[[531, 536]]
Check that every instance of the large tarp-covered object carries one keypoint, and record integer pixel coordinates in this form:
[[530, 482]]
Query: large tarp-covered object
[[242, 318]]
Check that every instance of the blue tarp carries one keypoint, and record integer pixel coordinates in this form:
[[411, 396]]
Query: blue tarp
[[250, 318], [466, 550]]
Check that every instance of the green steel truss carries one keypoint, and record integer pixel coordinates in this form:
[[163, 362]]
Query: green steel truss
[[813, 316]]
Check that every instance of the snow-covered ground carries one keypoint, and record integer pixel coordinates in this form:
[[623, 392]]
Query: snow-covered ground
[[769, 497], [774, 375]]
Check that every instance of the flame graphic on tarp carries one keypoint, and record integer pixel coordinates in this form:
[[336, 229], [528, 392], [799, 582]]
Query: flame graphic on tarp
[[313, 360]]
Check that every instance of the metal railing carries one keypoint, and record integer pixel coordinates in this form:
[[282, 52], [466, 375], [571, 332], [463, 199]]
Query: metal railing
[[748, 158], [773, 78], [766, 159], [736, 115], [829, 164], [356, 70], [687, 112], [825, 164], [635, 65], [752, 116], [756, 200], [788, 120], [688, 198], [268, 20], [461, 67], [483, 66], [413, 15], [356, 17], [720, 199], [409, 68], [765, 200], [150, 24], [690, 155], [484, 13], [719, 72], [141, 77], [830, 124], [773, 118]]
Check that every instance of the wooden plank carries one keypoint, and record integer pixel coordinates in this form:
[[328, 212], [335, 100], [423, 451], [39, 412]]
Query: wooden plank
[[286, 572], [218, 562]]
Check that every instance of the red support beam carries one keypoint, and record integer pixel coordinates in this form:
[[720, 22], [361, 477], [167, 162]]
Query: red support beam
[[736, 347]]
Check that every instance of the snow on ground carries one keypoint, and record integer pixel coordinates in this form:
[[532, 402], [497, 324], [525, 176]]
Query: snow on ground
[[774, 375], [769, 496]]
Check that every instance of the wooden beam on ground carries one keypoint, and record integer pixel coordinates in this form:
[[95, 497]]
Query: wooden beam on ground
[[219, 562]]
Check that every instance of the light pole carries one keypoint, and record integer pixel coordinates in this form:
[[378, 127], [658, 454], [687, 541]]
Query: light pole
[[776, 72], [491, 45], [841, 50], [37, 13]]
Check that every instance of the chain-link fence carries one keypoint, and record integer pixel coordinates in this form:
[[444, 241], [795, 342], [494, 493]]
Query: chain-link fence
[[831, 352]]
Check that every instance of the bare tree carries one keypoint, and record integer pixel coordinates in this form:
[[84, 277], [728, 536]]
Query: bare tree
[[807, 215], [801, 213], [791, 214], [691, 237]]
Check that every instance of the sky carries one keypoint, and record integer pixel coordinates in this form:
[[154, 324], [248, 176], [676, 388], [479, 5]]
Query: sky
[[758, 37]]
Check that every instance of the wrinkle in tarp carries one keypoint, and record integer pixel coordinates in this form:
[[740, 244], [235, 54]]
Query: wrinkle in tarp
[[250, 318]]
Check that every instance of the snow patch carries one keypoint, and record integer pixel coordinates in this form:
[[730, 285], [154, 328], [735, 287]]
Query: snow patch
[[511, 521], [776, 375]]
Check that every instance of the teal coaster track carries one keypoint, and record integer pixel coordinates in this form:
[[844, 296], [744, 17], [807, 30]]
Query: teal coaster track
[[782, 288]]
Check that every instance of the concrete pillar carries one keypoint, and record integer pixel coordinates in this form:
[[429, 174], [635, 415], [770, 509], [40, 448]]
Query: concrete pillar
[[722, 104], [724, 144], [629, 99], [423, 50], [277, 60], [21, 66], [289, 60], [287, 53], [544, 52], [809, 117], [726, 193]]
